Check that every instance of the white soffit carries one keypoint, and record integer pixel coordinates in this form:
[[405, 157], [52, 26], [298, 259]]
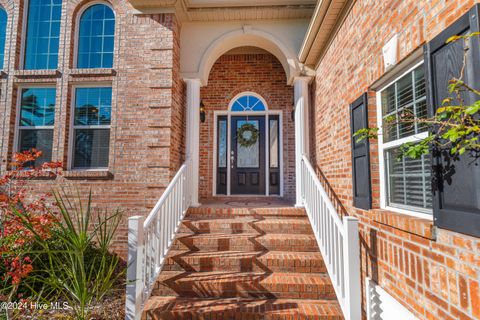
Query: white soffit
[[228, 10], [327, 18]]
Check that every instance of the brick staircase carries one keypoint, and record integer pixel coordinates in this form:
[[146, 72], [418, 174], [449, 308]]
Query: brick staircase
[[244, 263]]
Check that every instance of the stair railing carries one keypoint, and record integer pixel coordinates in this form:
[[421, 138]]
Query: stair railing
[[149, 240], [338, 241]]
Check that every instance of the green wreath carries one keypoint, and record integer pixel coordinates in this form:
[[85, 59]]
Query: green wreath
[[247, 135]]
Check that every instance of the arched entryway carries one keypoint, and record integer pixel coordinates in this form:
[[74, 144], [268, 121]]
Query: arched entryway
[[283, 90]]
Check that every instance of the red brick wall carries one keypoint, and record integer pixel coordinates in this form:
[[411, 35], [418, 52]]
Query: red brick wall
[[147, 133], [434, 279], [231, 75]]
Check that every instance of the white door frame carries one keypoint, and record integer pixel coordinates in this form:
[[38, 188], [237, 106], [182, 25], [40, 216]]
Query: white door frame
[[229, 115]]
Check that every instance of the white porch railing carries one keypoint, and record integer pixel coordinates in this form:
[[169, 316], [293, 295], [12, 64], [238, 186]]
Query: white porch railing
[[338, 241], [150, 239]]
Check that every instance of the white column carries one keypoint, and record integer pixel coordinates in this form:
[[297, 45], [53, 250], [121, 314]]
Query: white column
[[193, 134], [300, 85]]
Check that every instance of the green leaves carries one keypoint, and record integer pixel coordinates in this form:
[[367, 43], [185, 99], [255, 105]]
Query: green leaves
[[473, 109], [366, 133], [76, 265]]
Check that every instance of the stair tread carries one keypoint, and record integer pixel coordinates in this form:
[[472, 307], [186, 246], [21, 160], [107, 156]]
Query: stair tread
[[328, 309], [302, 220], [238, 253], [226, 276], [256, 235]]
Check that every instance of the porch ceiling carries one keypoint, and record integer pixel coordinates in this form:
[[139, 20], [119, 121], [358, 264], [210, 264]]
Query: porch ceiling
[[226, 10]]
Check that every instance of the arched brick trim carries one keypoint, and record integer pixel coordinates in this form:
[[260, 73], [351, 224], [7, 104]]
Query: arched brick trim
[[9, 6]]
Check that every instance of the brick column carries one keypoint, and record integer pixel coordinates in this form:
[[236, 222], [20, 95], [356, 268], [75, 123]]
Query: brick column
[[193, 133], [300, 85]]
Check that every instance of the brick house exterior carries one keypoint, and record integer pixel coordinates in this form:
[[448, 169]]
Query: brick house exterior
[[170, 56], [432, 271]]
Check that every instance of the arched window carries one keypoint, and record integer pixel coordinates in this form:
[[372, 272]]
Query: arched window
[[3, 35], [96, 37], [248, 102]]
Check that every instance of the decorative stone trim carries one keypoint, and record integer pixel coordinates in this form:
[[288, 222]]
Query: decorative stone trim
[[92, 72], [85, 174], [37, 73]]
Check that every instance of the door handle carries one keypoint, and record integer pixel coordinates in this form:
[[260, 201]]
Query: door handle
[[232, 160]]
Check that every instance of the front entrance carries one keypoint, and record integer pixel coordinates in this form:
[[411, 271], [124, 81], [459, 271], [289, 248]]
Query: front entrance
[[248, 149], [247, 162]]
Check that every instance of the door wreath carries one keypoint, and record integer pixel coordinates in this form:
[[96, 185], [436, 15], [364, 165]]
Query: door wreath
[[247, 135]]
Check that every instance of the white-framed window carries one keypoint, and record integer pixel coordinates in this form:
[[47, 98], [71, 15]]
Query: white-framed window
[[36, 119], [405, 182], [42, 34], [96, 36], [90, 136]]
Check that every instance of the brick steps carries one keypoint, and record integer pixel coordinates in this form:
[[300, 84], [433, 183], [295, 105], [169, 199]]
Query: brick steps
[[244, 263], [246, 225], [246, 241], [241, 308], [245, 284], [266, 261], [277, 213]]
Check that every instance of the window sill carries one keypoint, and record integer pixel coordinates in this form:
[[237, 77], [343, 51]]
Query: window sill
[[88, 174], [44, 175], [411, 224], [92, 72], [37, 73]]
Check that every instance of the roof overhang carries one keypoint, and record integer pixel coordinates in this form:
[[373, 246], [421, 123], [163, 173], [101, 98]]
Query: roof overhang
[[327, 19], [225, 10]]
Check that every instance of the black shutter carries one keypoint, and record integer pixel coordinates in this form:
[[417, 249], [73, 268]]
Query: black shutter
[[456, 203], [362, 194]]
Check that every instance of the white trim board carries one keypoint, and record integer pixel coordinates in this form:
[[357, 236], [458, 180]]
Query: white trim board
[[382, 306]]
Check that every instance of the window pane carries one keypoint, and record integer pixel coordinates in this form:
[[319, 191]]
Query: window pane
[[3, 35], [43, 32], [409, 182], [37, 107], [93, 106], [405, 99], [222, 144], [248, 103], [41, 140], [248, 157], [96, 41], [91, 148], [273, 143]]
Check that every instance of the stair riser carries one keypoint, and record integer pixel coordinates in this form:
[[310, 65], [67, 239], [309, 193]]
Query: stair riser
[[198, 264], [248, 244], [245, 290], [230, 315], [246, 212], [245, 227]]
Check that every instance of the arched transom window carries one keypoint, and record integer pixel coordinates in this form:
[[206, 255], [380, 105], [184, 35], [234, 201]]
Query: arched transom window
[[248, 102], [96, 37]]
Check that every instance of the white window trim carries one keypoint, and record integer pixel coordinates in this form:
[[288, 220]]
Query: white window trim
[[72, 127], [16, 134], [382, 147], [77, 31]]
